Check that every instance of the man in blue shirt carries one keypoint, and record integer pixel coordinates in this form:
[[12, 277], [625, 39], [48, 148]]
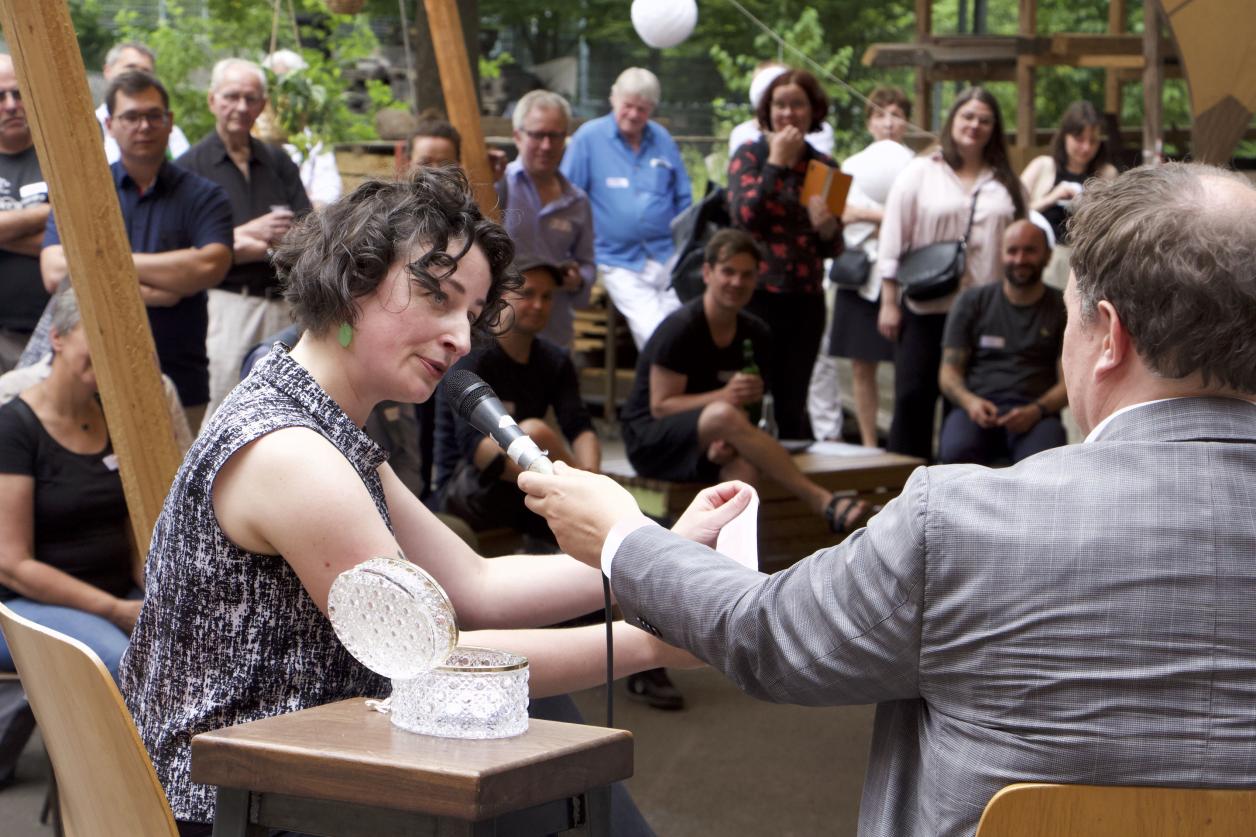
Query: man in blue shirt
[[179, 226], [631, 170], [548, 218]]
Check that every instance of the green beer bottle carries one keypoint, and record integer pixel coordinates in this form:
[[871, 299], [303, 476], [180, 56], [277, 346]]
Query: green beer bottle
[[750, 367]]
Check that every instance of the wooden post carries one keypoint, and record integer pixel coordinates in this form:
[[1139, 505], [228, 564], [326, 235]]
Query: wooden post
[[1026, 136], [923, 109], [1112, 76], [72, 158], [461, 101], [1153, 82]]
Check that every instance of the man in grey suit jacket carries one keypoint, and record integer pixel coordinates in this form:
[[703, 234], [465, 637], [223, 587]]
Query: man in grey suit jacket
[[1082, 617]]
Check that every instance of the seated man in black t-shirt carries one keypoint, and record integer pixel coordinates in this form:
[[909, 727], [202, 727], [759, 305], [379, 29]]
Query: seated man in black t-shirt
[[476, 481], [685, 419], [1001, 360]]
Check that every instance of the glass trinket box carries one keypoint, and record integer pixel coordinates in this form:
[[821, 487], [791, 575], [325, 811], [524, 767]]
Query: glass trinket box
[[397, 621]]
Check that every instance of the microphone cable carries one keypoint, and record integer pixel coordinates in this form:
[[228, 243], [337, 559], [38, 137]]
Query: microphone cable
[[610, 654]]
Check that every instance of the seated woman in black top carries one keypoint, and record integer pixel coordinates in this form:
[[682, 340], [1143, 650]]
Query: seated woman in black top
[[64, 544]]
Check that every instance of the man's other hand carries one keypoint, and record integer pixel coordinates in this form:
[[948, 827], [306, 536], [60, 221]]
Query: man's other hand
[[712, 510]]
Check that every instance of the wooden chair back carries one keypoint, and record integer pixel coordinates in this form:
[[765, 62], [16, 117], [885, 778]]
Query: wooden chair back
[[1039, 810], [107, 784]]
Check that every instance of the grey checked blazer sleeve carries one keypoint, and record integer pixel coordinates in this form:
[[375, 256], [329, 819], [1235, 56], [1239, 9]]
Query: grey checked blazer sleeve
[[840, 627]]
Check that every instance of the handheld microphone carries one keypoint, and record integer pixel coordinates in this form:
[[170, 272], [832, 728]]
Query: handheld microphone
[[476, 403]]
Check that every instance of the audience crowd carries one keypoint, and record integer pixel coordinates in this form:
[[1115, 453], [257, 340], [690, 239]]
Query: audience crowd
[[593, 206]]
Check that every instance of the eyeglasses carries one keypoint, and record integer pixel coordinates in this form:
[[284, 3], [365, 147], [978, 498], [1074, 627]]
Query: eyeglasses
[[12, 92], [132, 119], [555, 137], [234, 98]]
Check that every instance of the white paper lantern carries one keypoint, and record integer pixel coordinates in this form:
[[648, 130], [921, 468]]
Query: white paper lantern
[[875, 168], [759, 84], [663, 24]]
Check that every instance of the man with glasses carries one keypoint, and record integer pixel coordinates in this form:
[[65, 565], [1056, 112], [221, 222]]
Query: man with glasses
[[179, 226], [548, 217], [23, 212], [123, 58], [265, 190]]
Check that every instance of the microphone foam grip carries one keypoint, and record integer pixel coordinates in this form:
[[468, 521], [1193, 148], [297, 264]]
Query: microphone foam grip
[[465, 390]]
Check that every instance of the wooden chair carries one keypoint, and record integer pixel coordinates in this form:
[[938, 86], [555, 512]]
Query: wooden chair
[[1039, 810], [107, 784]]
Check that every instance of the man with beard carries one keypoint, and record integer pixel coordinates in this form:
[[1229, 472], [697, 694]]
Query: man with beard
[[1001, 360]]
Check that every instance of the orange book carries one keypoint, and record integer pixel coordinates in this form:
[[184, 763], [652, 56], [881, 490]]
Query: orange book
[[829, 182]]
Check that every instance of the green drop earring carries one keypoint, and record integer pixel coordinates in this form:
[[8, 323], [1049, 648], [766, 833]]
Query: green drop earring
[[345, 335]]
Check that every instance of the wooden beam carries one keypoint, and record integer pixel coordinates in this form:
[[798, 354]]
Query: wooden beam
[[72, 159], [1111, 79], [924, 88], [1027, 27], [461, 101], [1153, 82]]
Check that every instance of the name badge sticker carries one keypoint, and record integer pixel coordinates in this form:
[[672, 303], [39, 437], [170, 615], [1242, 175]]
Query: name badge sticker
[[616, 183], [992, 341], [110, 461]]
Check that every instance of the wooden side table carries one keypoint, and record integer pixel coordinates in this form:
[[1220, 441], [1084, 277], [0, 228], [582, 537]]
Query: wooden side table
[[345, 770]]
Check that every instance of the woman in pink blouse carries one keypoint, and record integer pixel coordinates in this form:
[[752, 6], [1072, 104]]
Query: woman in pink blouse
[[930, 202]]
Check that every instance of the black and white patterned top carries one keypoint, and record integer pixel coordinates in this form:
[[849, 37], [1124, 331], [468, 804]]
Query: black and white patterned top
[[228, 636]]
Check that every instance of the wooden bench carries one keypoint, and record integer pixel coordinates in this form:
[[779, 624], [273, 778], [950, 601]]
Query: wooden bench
[[601, 345], [788, 530]]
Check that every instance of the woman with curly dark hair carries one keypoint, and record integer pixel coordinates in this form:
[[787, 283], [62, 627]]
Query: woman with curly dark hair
[[283, 491], [765, 180]]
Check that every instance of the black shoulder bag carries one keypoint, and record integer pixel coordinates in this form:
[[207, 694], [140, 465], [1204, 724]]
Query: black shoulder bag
[[934, 271]]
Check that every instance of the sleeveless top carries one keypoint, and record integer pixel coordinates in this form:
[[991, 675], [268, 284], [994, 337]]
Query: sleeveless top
[[228, 636]]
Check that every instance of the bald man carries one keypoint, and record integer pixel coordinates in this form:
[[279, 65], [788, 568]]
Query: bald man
[[1001, 360]]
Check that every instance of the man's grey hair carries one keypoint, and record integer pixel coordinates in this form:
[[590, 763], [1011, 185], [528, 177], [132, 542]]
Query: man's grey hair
[[1173, 249], [64, 314], [218, 76], [115, 52], [637, 81], [544, 99]]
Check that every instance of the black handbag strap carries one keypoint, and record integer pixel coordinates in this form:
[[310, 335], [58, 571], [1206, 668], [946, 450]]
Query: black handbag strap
[[971, 215]]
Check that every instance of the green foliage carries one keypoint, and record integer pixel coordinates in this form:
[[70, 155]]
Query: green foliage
[[807, 36], [188, 44], [492, 67], [696, 166], [94, 37]]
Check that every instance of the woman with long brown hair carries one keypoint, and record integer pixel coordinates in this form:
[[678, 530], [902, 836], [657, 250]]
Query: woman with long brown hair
[[1078, 153], [932, 201]]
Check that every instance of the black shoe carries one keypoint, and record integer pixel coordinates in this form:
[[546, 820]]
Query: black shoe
[[654, 687]]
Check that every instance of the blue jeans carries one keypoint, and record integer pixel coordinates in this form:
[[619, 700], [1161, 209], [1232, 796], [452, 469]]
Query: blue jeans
[[961, 440], [99, 634]]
